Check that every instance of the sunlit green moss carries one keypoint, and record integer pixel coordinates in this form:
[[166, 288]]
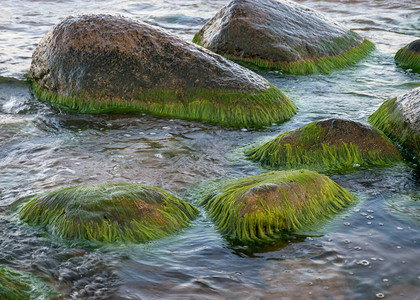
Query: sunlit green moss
[[312, 150], [389, 119], [321, 65], [232, 108], [15, 285], [109, 212], [256, 208], [408, 59]]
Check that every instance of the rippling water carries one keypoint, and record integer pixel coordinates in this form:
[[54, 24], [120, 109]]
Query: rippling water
[[369, 251]]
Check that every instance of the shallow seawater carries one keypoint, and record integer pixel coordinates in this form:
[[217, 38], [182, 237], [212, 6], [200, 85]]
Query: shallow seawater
[[369, 251]]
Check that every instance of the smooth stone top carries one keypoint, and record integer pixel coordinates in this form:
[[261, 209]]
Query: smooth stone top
[[279, 31], [414, 46], [112, 56], [340, 130], [409, 104]]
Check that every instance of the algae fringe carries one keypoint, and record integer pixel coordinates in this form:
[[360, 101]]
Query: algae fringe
[[389, 119], [15, 285], [407, 59], [311, 66], [255, 209], [327, 158], [109, 212], [224, 107]]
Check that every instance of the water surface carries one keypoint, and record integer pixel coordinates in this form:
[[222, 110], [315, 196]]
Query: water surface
[[369, 251]]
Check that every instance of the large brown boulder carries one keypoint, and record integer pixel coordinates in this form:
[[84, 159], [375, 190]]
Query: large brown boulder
[[104, 63], [399, 118], [328, 145], [281, 34]]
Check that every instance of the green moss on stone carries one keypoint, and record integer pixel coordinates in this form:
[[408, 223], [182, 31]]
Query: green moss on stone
[[313, 150], [408, 59], [196, 39], [389, 119], [257, 208], [231, 108], [310, 66], [109, 212], [15, 285]]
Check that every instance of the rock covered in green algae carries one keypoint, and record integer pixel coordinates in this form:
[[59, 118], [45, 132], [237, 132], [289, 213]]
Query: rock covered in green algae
[[256, 208], [328, 145], [110, 64], [109, 212], [280, 34], [399, 118], [15, 285], [408, 57]]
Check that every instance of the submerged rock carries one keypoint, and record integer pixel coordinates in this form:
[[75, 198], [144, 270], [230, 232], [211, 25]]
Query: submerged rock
[[280, 34], [399, 118], [256, 208], [408, 57], [109, 64], [326, 145], [15, 285], [109, 212]]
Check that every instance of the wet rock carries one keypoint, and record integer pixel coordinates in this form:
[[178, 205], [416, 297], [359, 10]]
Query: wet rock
[[109, 212], [272, 34], [328, 145], [399, 118], [408, 57], [15, 285], [109, 64], [257, 208]]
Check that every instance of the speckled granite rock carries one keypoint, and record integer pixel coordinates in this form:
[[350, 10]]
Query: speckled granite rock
[[408, 57], [281, 35], [399, 118], [104, 63], [328, 145]]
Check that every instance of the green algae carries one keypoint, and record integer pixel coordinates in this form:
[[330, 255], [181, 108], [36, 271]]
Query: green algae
[[408, 59], [110, 212], [224, 107], [257, 208], [389, 119], [15, 285], [312, 150], [310, 66]]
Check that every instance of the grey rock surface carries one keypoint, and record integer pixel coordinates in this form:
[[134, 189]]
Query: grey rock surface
[[409, 105], [112, 56], [274, 30]]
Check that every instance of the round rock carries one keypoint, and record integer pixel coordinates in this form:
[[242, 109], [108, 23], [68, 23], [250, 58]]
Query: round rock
[[259, 208], [399, 118], [281, 34], [408, 57], [109, 212], [328, 145], [111, 64]]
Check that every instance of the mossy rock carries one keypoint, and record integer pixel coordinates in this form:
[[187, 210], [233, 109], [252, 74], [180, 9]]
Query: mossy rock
[[109, 212], [328, 145], [110, 64], [399, 118], [281, 35], [408, 57], [16, 285], [256, 208]]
